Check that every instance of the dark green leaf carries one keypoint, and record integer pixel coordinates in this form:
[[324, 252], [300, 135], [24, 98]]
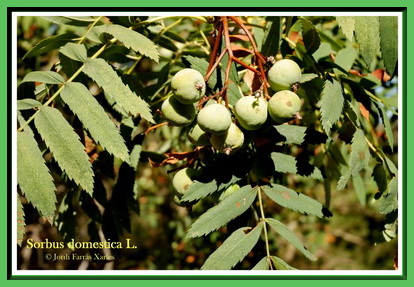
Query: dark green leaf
[[380, 177], [280, 264], [262, 264], [387, 125], [346, 58], [103, 74], [259, 32], [71, 20], [64, 143], [347, 24], [233, 93], [76, 52], [296, 201], [134, 40], [228, 209], [273, 36], [288, 164], [388, 202], [21, 224], [310, 36], [331, 104], [291, 134], [284, 231], [27, 104], [234, 248], [389, 42], [367, 34], [50, 43], [95, 119], [47, 77], [33, 176], [358, 160]]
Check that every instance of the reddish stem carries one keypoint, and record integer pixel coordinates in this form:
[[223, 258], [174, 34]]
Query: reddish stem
[[213, 55], [155, 126]]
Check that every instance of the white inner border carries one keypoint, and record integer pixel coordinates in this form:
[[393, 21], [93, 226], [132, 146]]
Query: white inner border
[[206, 272]]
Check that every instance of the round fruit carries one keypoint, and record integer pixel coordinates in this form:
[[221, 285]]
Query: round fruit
[[214, 119], [284, 74], [188, 86], [283, 106], [197, 136], [229, 141], [176, 113], [183, 179], [251, 112]]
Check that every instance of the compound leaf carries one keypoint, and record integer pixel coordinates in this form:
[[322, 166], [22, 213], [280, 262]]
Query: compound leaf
[[296, 201], [331, 103], [65, 145], [234, 248], [94, 119], [134, 40], [358, 160], [285, 163], [103, 74], [284, 231], [33, 176], [74, 51], [228, 209], [48, 77]]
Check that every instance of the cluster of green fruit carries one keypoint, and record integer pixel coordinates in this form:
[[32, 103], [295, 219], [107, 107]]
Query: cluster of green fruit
[[214, 125]]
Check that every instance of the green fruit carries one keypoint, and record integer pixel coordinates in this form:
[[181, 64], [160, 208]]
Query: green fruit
[[188, 86], [197, 136], [284, 106], [176, 113], [183, 179], [251, 112], [214, 119], [229, 141], [283, 75]]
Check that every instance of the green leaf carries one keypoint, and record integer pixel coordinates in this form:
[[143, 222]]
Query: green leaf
[[331, 104], [389, 42], [273, 36], [27, 104], [134, 40], [345, 59], [360, 190], [258, 32], [367, 34], [380, 177], [262, 264], [234, 248], [64, 143], [50, 43], [359, 158], [228, 209], [280, 264], [95, 119], [76, 52], [33, 176], [234, 76], [387, 125], [288, 164], [388, 202], [71, 20], [201, 65], [310, 36], [296, 201], [284, 231], [135, 156], [47, 77], [291, 134], [347, 24], [21, 224], [233, 94], [307, 77], [199, 189], [103, 74]]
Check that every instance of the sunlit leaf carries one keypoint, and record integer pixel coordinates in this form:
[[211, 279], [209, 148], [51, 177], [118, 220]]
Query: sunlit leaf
[[71, 20], [388, 202], [285, 163], [48, 77], [347, 24], [263, 264], [27, 104], [331, 104], [21, 224], [367, 34], [50, 43], [389, 42], [76, 52], [280, 264]]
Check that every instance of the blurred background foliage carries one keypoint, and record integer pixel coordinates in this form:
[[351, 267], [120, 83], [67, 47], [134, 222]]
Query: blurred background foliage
[[351, 240]]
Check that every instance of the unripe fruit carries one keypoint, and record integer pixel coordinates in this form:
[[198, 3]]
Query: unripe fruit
[[251, 112], [183, 179], [229, 141], [214, 119], [176, 113], [188, 86], [284, 106], [283, 75], [197, 136]]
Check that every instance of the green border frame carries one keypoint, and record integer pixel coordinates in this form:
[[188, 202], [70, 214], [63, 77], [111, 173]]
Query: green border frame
[[213, 5]]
